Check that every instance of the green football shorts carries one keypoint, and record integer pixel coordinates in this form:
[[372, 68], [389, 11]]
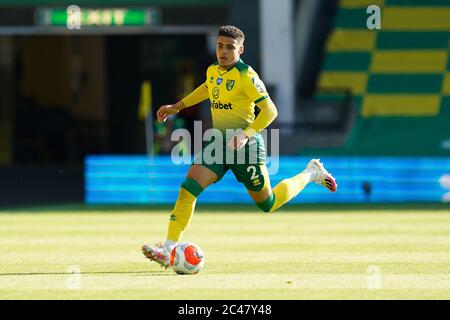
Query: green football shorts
[[248, 164]]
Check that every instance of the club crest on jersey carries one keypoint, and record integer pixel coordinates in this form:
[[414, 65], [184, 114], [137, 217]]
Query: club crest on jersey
[[215, 93], [230, 84], [219, 81]]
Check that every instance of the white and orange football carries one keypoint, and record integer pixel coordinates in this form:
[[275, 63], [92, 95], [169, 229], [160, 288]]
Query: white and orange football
[[187, 258]]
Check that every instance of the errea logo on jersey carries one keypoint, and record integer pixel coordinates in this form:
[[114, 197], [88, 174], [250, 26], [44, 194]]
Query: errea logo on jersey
[[219, 105]]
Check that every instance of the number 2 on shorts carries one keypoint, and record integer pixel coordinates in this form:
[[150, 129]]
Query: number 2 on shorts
[[253, 169]]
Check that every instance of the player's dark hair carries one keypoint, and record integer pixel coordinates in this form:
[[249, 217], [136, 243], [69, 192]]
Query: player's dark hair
[[231, 32]]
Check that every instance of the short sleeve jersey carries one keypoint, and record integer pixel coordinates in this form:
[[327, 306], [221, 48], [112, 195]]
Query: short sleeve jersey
[[233, 94]]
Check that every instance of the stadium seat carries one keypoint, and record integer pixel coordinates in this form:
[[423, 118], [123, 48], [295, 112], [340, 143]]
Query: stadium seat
[[399, 75]]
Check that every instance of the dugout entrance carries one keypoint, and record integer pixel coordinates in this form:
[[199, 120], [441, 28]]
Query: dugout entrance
[[63, 97], [72, 95]]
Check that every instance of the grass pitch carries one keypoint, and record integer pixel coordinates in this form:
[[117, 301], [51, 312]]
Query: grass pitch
[[91, 253]]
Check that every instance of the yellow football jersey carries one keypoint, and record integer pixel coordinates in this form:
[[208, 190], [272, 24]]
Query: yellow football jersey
[[233, 94]]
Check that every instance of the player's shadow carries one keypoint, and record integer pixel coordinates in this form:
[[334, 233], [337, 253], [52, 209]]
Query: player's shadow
[[140, 273]]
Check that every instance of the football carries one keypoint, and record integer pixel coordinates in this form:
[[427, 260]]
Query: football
[[187, 258]]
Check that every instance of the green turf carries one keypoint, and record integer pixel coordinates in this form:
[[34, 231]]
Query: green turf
[[374, 254]]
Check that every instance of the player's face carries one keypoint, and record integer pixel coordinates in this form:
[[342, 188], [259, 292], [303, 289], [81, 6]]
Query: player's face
[[228, 50]]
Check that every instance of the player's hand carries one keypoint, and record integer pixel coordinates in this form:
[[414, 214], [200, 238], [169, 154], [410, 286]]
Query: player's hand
[[238, 141], [165, 111]]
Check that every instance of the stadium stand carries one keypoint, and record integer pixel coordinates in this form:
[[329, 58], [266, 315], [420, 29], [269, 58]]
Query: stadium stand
[[399, 77]]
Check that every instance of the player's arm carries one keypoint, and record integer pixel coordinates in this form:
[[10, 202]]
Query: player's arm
[[265, 117], [257, 92], [195, 97]]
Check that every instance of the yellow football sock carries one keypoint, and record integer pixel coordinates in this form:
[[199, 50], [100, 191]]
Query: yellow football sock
[[184, 209], [289, 188]]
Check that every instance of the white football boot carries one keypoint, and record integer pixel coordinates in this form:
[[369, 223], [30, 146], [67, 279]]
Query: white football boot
[[322, 176], [157, 253]]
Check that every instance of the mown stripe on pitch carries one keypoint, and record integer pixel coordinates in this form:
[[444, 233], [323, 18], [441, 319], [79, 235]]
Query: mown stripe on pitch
[[351, 40], [412, 40], [416, 19], [401, 105], [347, 61], [410, 61], [355, 81], [404, 83]]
